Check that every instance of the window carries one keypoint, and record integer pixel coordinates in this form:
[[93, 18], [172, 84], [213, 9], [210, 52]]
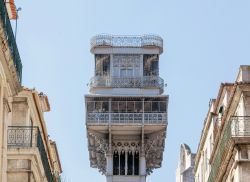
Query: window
[[126, 72], [116, 163], [211, 143], [125, 163], [136, 163], [205, 160], [126, 65], [130, 163], [122, 163]]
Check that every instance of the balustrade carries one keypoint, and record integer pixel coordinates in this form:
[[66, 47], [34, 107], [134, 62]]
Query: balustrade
[[127, 82], [236, 127], [127, 41], [126, 118], [28, 136]]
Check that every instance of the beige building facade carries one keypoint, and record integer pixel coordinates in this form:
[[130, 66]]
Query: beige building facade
[[26, 153], [224, 149]]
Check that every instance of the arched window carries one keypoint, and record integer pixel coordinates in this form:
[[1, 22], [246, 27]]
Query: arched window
[[122, 163], [116, 163], [136, 163], [130, 163]]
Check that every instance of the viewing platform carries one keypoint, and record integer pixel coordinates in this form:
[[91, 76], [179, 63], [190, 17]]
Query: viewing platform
[[132, 41]]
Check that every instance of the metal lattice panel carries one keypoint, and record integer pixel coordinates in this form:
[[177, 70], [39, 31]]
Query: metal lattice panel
[[127, 41]]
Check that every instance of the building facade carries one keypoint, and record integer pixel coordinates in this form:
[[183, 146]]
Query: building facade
[[224, 149], [26, 154], [185, 169], [126, 111]]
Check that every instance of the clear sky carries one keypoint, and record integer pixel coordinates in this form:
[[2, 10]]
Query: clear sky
[[205, 42]]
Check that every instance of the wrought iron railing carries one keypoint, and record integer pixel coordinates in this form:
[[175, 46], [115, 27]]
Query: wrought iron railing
[[28, 136], [10, 39], [126, 118], [126, 41], [128, 82], [240, 126], [237, 126]]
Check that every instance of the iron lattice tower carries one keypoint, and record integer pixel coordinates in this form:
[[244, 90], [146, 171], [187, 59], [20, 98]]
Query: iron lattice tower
[[126, 111]]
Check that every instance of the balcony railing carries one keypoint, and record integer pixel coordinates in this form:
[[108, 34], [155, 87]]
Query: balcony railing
[[126, 118], [128, 82], [10, 39], [127, 41], [25, 137], [237, 127]]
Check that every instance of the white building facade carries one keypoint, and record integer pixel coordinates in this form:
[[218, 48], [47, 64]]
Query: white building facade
[[224, 150], [185, 169], [126, 112]]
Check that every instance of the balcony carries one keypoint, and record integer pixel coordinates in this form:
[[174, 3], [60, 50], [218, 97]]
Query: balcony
[[127, 41], [119, 111], [127, 82], [27, 137], [237, 130], [126, 118], [7, 29]]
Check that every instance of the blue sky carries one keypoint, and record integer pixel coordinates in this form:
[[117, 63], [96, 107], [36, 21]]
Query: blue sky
[[205, 42]]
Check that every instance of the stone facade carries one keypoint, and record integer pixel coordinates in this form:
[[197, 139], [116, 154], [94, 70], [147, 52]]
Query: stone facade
[[126, 112], [27, 154], [185, 169], [224, 150], [31, 155]]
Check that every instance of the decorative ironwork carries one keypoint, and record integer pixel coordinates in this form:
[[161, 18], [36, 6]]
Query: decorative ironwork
[[28, 136], [10, 39], [127, 82], [97, 150], [237, 126], [240, 126], [121, 60], [126, 118], [154, 147], [127, 41]]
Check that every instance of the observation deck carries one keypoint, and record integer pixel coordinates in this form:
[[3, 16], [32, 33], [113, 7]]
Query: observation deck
[[142, 82], [132, 41]]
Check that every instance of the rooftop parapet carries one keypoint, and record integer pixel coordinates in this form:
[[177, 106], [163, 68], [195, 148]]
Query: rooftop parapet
[[129, 41]]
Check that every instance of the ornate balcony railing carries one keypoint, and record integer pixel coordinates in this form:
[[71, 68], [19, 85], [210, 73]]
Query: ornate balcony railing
[[28, 136], [128, 82], [237, 127], [126, 118], [10, 39], [126, 41]]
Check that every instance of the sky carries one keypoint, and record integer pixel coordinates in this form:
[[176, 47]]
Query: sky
[[205, 42]]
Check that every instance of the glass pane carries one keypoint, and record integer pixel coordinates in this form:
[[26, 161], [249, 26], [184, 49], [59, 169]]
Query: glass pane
[[116, 163], [155, 106], [123, 72], [129, 72], [98, 106], [114, 107], [105, 107], [138, 106], [122, 163], [147, 106], [122, 106], [90, 106], [130, 106], [163, 106]]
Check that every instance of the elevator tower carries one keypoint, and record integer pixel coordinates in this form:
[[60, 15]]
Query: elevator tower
[[126, 111]]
